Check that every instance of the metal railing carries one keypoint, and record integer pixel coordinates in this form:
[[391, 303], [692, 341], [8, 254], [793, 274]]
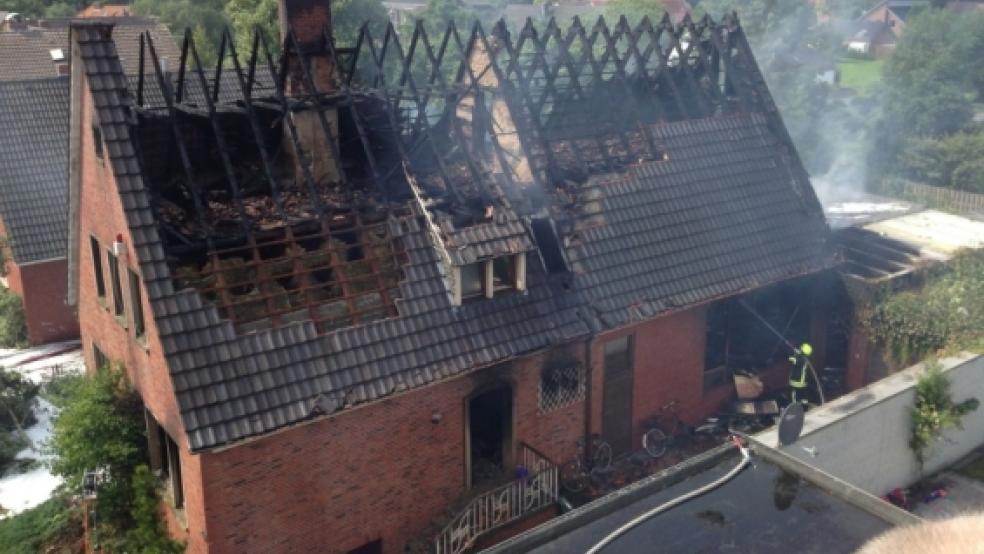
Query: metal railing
[[534, 489]]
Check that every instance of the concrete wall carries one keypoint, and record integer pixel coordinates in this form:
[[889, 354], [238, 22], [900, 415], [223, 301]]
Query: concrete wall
[[863, 437]]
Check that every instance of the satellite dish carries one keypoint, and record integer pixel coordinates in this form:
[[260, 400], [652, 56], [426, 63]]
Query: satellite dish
[[791, 423]]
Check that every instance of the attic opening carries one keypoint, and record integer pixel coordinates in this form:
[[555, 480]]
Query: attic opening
[[245, 225]]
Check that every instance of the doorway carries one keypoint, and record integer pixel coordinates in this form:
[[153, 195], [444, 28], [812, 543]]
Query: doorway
[[616, 417], [490, 435]]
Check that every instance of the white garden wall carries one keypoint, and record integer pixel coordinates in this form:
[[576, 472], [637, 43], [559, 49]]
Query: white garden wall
[[863, 437]]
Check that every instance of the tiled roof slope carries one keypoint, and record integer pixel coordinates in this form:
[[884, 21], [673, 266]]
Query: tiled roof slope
[[26, 54], [722, 216], [34, 167]]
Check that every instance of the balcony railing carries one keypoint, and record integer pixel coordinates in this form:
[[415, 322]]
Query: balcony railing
[[535, 488]]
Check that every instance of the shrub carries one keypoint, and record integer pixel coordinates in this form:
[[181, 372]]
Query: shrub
[[946, 313], [934, 411], [102, 428], [147, 533], [55, 521], [13, 327], [63, 389]]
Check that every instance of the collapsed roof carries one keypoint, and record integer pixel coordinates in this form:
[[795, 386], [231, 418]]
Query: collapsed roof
[[305, 247]]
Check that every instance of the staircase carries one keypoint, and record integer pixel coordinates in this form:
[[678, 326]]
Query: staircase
[[502, 505]]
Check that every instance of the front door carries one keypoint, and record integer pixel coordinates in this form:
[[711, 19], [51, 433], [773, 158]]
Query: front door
[[490, 434], [616, 420]]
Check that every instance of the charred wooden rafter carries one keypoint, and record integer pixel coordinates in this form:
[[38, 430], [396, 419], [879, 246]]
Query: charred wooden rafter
[[401, 97]]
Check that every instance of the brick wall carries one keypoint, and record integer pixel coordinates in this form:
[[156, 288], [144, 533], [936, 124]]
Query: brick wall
[[43, 287], [102, 217], [382, 471], [48, 317]]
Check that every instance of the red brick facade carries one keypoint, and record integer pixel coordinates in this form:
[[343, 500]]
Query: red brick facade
[[102, 218], [388, 470], [43, 287]]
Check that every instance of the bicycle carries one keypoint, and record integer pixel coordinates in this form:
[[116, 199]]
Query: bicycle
[[655, 441], [578, 472]]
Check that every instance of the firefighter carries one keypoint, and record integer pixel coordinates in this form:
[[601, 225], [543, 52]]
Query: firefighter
[[797, 375]]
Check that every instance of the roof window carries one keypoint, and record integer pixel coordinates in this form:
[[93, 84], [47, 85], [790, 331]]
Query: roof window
[[57, 54], [487, 278]]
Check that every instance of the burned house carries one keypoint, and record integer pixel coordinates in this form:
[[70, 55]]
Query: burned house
[[357, 285], [34, 137]]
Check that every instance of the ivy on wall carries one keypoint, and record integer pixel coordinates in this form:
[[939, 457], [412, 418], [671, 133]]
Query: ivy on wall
[[946, 313]]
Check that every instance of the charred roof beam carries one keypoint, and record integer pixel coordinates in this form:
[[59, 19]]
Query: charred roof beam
[[200, 212], [254, 123]]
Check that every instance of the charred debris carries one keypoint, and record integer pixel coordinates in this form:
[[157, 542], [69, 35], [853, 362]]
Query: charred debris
[[279, 185]]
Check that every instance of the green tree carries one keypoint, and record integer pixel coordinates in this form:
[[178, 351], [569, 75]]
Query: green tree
[[634, 10], [954, 160], [102, 428], [205, 18], [246, 16], [439, 13], [60, 9], [348, 17]]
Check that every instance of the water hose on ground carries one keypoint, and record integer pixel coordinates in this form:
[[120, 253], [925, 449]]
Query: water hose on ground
[[607, 540]]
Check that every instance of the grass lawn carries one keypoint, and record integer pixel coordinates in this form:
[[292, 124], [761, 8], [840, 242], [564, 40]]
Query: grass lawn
[[860, 75]]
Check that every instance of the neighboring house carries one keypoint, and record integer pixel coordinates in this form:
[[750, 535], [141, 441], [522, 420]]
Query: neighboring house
[[34, 202], [881, 26], [40, 48], [106, 10], [339, 340], [34, 126]]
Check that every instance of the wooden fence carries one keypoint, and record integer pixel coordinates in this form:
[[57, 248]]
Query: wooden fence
[[933, 197]]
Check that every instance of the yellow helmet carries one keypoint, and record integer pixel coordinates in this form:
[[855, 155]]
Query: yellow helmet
[[806, 349]]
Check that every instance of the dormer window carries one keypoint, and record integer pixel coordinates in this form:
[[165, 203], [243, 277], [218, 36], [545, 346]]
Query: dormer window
[[472, 281], [487, 278]]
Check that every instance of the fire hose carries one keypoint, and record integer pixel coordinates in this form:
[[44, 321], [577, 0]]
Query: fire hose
[[608, 539]]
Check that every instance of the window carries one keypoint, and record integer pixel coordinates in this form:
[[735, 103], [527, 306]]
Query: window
[[618, 355], [97, 268], [97, 141], [136, 304], [472, 280], [504, 273], [561, 386], [485, 278], [114, 275], [165, 460], [98, 357]]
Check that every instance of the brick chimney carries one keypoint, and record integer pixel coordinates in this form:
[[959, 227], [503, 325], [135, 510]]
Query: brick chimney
[[309, 19]]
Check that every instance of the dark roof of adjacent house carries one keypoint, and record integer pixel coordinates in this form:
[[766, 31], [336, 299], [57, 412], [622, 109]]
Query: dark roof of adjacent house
[[27, 53], [901, 8], [727, 209], [34, 113], [34, 167]]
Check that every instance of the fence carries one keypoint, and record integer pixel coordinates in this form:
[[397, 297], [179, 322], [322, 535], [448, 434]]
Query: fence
[[934, 197], [502, 505]]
